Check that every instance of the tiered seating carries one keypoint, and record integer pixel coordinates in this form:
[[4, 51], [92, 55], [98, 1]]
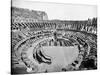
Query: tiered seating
[[29, 29]]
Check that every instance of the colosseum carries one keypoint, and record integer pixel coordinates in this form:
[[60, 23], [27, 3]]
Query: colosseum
[[40, 45]]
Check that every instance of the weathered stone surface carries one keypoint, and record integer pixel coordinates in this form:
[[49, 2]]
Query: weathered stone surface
[[26, 15]]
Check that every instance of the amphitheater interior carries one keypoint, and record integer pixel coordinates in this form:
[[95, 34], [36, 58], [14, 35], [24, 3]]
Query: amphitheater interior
[[42, 45]]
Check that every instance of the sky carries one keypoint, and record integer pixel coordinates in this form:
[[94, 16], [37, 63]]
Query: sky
[[59, 10]]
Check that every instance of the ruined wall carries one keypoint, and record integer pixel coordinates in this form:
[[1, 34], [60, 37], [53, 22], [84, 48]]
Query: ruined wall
[[26, 15]]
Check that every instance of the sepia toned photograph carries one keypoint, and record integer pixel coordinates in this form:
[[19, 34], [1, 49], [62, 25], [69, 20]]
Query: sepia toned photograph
[[52, 37]]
